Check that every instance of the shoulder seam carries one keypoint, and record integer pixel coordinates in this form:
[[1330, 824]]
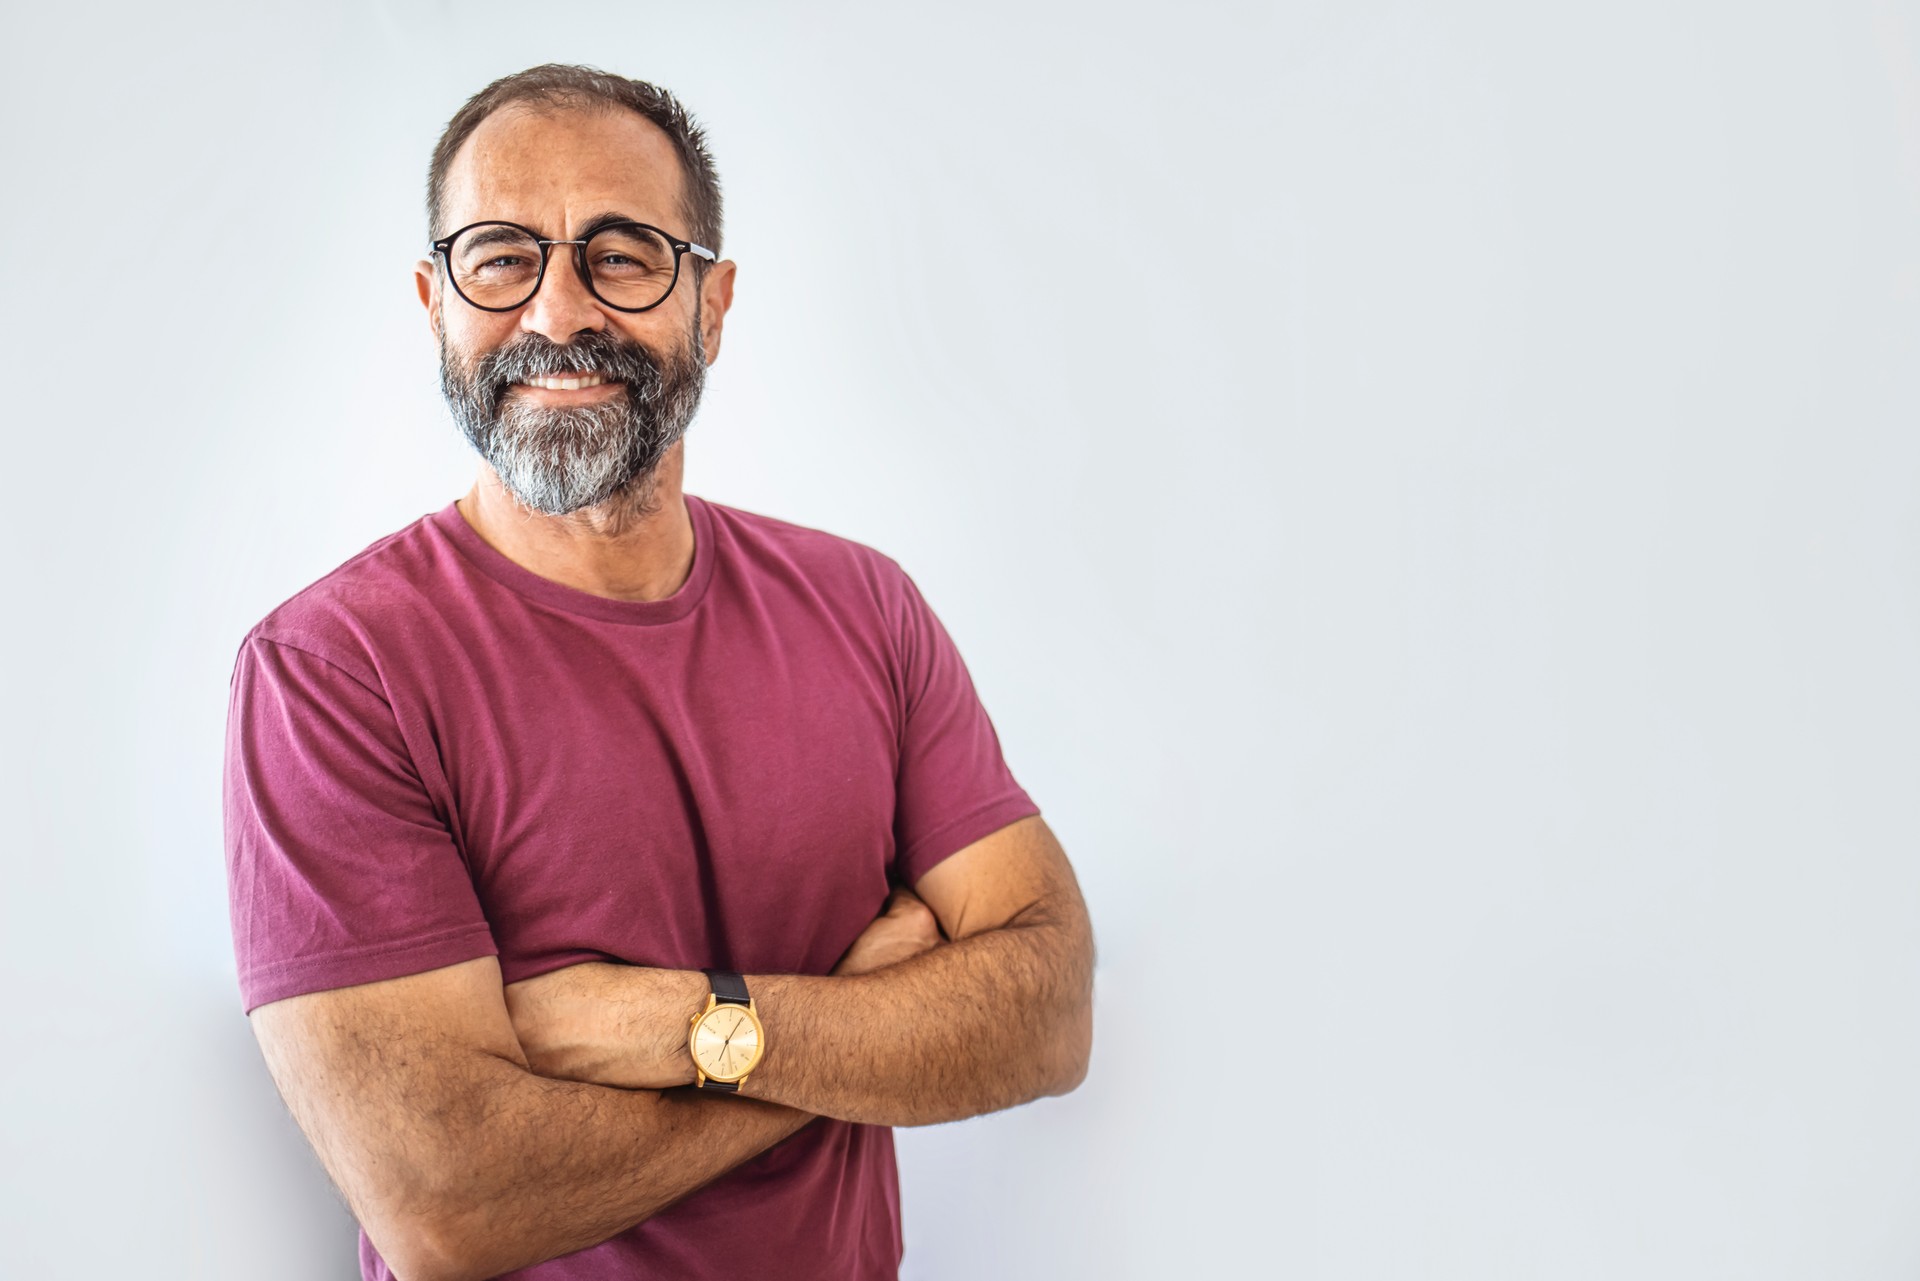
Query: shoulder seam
[[338, 666]]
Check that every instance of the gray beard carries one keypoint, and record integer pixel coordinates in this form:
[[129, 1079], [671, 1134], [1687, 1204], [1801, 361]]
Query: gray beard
[[554, 459]]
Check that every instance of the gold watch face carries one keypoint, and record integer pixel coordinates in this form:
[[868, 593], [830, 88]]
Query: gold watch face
[[726, 1042]]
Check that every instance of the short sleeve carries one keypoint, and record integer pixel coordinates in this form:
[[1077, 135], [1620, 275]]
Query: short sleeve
[[954, 786], [339, 869]]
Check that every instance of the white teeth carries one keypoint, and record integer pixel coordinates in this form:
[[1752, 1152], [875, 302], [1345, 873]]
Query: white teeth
[[566, 384]]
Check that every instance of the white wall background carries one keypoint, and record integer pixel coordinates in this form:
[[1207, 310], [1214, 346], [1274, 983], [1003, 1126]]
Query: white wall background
[[1428, 492]]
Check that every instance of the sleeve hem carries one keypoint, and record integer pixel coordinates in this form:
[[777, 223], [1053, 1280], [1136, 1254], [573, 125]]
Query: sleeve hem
[[279, 980], [951, 837]]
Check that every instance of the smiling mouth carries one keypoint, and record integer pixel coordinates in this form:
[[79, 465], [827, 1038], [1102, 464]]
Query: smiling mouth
[[574, 383]]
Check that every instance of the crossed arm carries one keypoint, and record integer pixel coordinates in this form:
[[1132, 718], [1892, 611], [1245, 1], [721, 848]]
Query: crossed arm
[[437, 1101]]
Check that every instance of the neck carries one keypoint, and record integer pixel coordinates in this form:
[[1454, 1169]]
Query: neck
[[638, 545]]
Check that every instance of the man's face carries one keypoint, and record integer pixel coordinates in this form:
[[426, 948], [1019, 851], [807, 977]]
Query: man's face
[[557, 450]]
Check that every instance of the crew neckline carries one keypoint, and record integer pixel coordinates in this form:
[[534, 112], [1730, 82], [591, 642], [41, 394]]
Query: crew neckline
[[524, 582]]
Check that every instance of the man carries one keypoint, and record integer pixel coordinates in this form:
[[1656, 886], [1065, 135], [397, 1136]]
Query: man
[[610, 868]]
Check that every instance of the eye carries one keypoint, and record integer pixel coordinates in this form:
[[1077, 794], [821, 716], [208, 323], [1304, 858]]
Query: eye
[[615, 261]]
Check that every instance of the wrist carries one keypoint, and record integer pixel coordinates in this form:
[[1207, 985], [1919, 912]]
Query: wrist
[[728, 1039]]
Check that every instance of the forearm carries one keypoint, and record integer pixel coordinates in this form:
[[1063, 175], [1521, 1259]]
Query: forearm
[[907, 1030], [986, 1022], [535, 1168]]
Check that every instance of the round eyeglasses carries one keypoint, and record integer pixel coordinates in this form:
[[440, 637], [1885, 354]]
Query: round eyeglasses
[[630, 266]]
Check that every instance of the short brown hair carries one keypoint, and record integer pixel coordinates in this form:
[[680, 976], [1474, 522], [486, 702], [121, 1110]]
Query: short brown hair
[[556, 85]]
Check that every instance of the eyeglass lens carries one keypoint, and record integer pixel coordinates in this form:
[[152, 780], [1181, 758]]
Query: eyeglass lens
[[499, 266]]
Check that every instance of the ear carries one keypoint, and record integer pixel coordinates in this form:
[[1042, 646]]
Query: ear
[[716, 295], [427, 281]]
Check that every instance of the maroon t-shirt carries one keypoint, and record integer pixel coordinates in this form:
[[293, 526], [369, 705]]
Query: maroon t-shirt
[[434, 754]]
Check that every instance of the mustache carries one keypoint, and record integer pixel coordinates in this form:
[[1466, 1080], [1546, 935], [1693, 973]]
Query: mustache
[[592, 352]]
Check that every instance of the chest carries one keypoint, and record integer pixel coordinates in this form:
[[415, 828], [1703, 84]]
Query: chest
[[717, 796]]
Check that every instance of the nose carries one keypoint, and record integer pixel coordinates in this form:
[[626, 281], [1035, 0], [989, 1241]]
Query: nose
[[562, 306]]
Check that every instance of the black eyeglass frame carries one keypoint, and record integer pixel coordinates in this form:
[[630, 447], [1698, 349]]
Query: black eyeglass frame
[[444, 247]]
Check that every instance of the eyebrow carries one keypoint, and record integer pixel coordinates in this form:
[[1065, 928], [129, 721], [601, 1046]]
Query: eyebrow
[[489, 236], [599, 221]]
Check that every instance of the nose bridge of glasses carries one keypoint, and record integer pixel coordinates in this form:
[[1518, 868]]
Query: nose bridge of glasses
[[543, 288], [579, 262], [546, 252]]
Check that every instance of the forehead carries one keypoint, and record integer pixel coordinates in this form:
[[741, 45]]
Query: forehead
[[553, 170]]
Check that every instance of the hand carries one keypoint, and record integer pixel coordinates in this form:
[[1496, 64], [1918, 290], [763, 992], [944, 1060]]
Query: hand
[[623, 1025], [905, 927]]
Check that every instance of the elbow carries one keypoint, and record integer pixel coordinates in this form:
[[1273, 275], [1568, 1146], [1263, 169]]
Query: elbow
[[1077, 1037], [418, 1261], [424, 1249], [439, 1234], [431, 1245], [445, 1247], [464, 1239], [1076, 1049]]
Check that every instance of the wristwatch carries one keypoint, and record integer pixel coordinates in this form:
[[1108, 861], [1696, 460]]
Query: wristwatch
[[726, 1038]]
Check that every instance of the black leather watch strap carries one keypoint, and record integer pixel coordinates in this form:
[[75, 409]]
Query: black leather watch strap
[[728, 986]]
